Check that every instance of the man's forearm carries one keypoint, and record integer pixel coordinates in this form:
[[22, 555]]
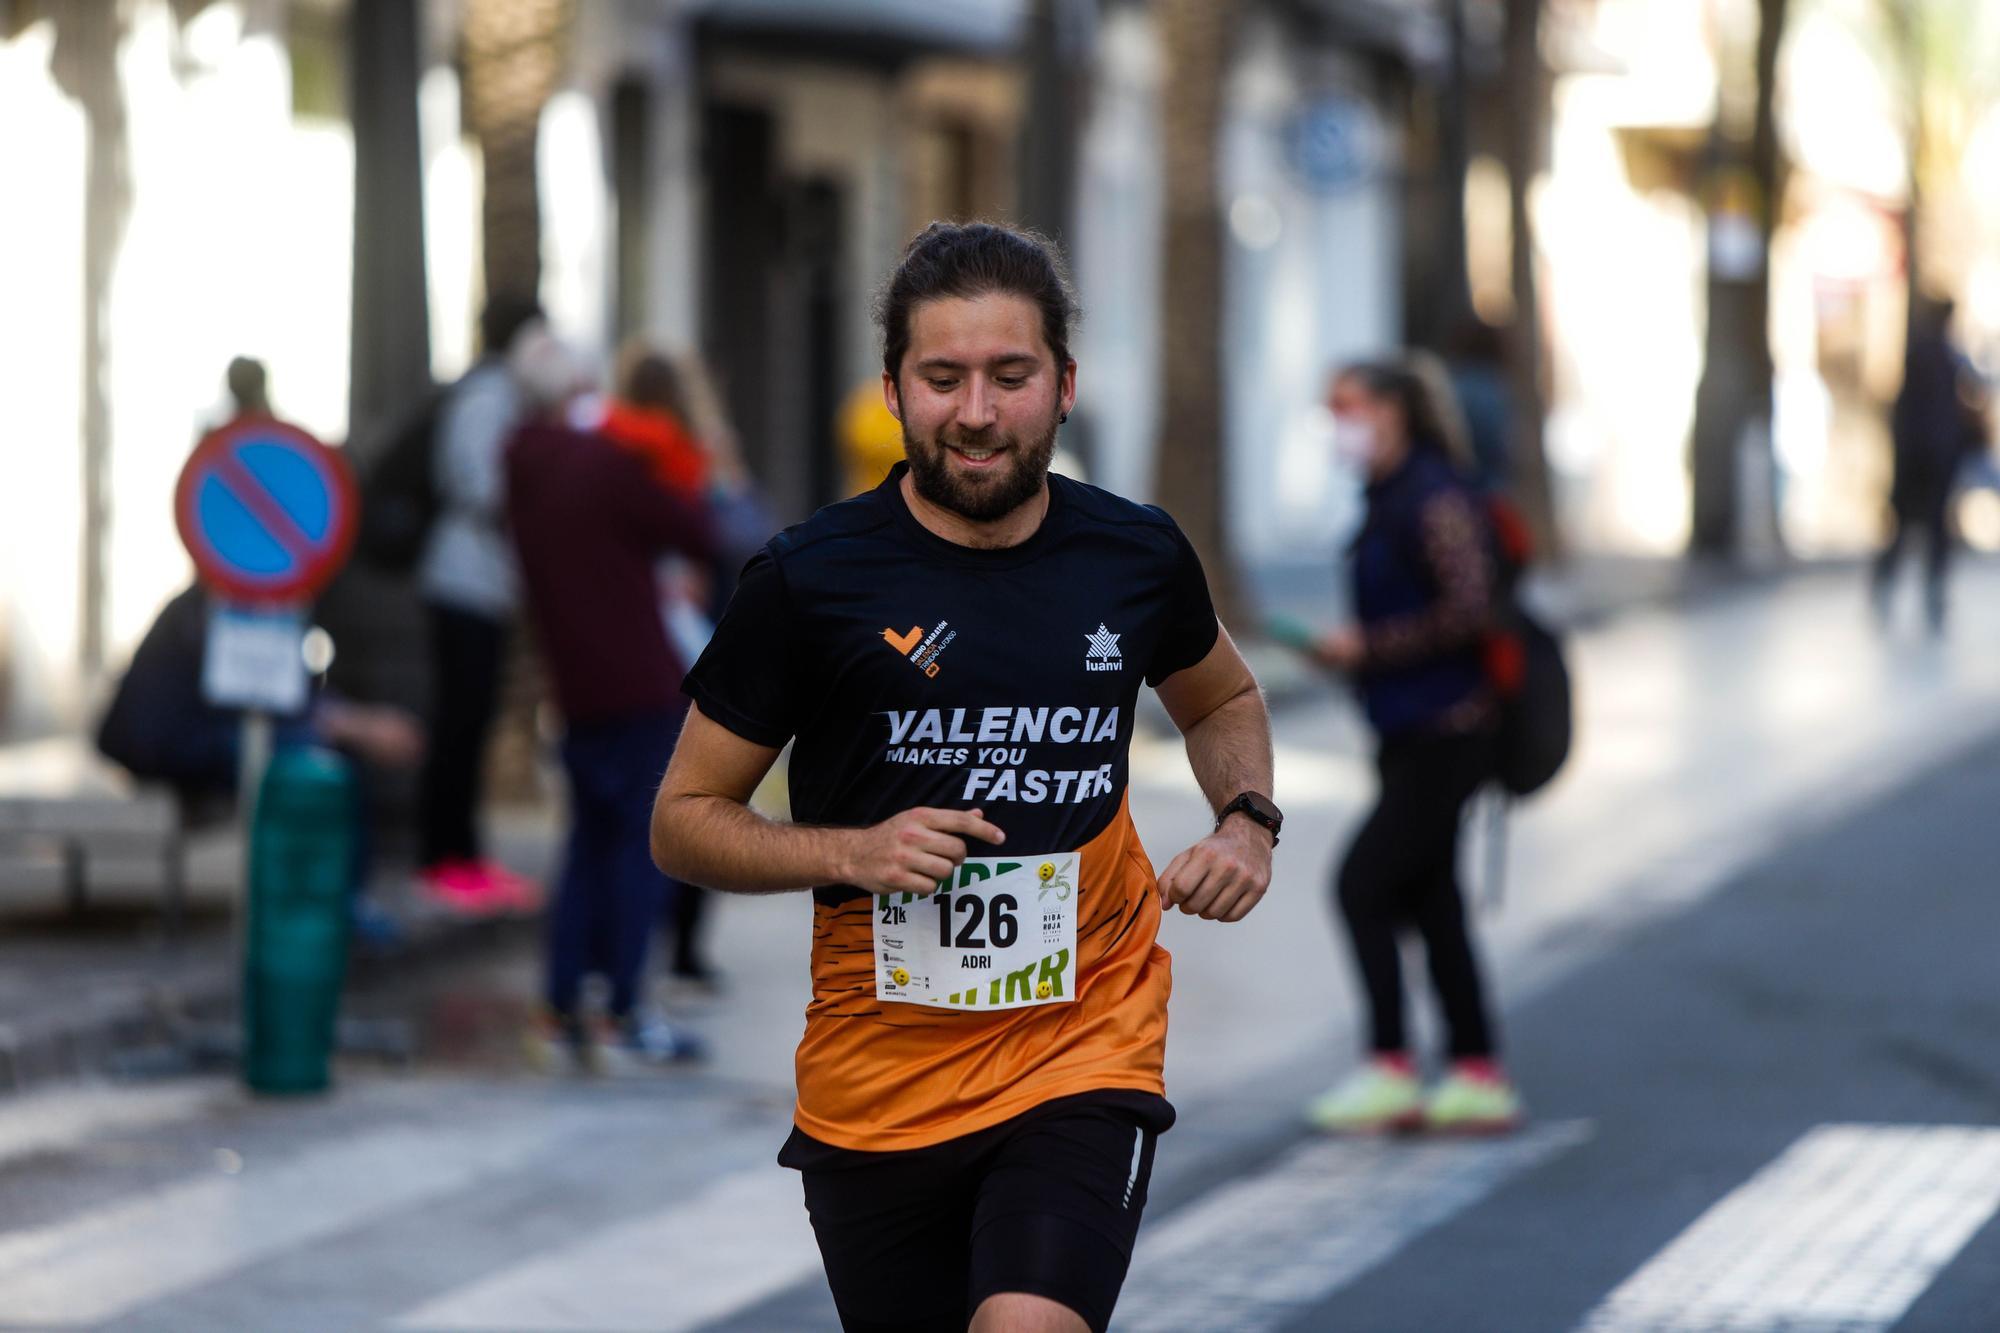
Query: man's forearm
[[722, 844], [1230, 749]]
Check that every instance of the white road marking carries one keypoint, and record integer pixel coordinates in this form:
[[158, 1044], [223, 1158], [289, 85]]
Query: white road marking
[[109, 1260], [1841, 1234], [743, 1238], [1251, 1255]]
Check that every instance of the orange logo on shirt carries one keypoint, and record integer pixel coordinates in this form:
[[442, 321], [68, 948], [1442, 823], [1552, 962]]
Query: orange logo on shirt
[[920, 648]]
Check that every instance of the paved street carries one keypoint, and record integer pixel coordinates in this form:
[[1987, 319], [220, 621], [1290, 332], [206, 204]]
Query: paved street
[[1745, 955]]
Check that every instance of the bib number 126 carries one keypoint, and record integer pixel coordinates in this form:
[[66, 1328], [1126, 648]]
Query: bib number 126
[[999, 934], [999, 914]]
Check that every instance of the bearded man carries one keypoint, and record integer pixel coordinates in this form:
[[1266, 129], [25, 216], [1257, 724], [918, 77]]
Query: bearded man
[[955, 656]]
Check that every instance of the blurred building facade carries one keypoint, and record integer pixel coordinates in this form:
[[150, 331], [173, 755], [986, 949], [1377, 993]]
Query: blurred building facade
[[733, 175], [736, 175]]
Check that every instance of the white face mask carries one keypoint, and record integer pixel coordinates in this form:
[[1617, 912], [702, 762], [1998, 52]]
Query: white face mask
[[1353, 443]]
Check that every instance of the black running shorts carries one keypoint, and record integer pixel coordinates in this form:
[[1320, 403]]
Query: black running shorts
[[1047, 1203]]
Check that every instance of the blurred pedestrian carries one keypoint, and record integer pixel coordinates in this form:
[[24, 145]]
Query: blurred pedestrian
[[1938, 422], [467, 580], [249, 389], [1423, 585], [649, 415], [744, 519], [590, 521], [871, 439]]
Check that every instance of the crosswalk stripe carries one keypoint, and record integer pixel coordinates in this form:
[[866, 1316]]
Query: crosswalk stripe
[[111, 1259], [740, 1240], [55, 1119], [1251, 1255], [1841, 1234]]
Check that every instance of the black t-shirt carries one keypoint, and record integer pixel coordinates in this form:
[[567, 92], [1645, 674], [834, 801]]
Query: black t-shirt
[[910, 671], [916, 672]]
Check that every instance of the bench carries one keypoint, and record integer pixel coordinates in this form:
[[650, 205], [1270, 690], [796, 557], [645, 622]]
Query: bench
[[60, 793]]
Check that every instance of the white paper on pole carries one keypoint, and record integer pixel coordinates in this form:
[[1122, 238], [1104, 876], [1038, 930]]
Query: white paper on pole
[[254, 659]]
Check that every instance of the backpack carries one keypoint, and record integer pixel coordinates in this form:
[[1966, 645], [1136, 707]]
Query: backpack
[[399, 494], [1525, 664]]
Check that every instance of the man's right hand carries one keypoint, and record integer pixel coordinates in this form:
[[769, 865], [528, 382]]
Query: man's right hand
[[912, 851]]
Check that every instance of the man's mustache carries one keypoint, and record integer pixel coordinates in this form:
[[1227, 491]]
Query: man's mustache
[[979, 441]]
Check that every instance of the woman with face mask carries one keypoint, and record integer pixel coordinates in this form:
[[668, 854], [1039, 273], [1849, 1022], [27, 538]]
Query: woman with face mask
[[1423, 576]]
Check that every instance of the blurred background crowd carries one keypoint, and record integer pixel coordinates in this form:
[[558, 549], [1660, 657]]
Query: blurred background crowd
[[1677, 258]]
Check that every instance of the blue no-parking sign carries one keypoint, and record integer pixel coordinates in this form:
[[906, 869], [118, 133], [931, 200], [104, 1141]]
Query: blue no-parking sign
[[267, 512]]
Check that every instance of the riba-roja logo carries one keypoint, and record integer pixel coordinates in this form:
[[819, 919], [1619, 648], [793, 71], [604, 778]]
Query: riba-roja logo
[[1103, 654], [920, 648]]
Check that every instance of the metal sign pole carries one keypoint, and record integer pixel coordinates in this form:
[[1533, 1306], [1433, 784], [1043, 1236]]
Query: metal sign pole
[[253, 757]]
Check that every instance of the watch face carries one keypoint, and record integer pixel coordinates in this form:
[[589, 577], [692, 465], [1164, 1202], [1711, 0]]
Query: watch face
[[1262, 807]]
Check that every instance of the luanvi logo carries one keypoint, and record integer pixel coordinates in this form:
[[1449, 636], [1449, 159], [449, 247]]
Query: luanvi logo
[[920, 648], [1103, 654]]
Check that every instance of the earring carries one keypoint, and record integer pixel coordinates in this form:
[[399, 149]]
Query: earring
[[1063, 419]]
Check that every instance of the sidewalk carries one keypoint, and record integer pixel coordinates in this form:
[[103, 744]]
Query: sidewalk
[[79, 993], [75, 992]]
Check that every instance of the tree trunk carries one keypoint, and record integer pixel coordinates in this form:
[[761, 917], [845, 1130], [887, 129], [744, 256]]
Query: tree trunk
[[1190, 475], [1909, 53], [1454, 297], [1527, 132], [85, 65], [515, 54], [1049, 121], [1733, 402], [390, 338]]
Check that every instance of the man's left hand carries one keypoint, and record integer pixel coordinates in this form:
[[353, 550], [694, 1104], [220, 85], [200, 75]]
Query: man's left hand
[[1223, 876]]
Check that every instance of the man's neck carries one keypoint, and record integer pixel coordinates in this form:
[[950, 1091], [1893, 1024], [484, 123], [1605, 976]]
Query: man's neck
[[1009, 529]]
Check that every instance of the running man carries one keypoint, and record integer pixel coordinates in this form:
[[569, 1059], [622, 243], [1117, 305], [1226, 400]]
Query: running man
[[956, 655]]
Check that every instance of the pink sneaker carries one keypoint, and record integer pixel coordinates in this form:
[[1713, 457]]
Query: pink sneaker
[[461, 887]]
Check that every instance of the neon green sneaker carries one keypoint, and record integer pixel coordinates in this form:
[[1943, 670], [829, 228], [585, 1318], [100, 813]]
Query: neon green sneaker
[[1463, 1104], [1378, 1098]]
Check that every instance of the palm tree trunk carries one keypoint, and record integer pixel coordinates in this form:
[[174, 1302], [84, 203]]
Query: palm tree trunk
[[1454, 299], [1908, 52], [389, 346], [1049, 121], [1733, 400], [85, 65], [1190, 478], [1527, 129], [515, 55]]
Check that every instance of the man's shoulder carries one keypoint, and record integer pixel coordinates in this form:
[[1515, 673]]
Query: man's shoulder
[[1103, 513], [820, 538]]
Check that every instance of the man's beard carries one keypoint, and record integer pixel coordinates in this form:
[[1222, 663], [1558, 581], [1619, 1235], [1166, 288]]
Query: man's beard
[[985, 496]]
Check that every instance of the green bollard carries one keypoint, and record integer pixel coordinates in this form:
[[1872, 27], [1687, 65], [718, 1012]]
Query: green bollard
[[295, 940]]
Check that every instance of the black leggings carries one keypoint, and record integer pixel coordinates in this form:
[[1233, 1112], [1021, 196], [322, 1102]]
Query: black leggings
[[1402, 872], [468, 653], [1925, 508]]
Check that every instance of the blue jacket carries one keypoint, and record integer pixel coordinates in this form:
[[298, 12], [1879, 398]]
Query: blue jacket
[[1422, 579]]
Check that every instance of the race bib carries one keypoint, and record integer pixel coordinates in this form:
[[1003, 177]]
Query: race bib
[[999, 934]]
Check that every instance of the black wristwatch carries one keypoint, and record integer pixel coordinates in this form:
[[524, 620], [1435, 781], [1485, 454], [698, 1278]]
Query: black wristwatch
[[1256, 808]]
